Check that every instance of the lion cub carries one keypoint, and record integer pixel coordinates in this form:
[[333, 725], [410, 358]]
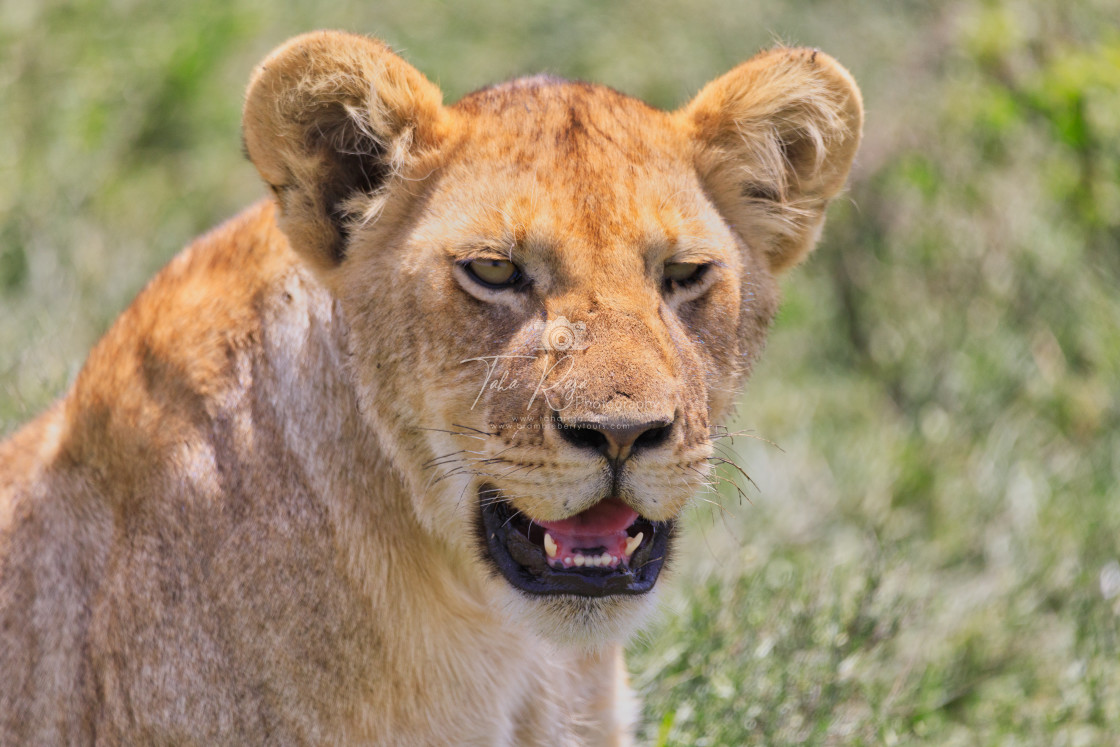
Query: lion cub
[[397, 455]]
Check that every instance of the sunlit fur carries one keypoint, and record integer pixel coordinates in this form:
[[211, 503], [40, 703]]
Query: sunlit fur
[[252, 518]]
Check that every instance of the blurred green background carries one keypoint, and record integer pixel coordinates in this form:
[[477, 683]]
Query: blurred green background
[[929, 552]]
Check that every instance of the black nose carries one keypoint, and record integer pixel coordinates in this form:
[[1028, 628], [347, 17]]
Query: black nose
[[617, 439]]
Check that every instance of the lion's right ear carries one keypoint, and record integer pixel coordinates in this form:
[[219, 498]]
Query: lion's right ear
[[331, 117]]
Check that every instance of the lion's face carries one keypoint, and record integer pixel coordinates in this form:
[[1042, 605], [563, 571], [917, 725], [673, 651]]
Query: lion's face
[[553, 292], [583, 321]]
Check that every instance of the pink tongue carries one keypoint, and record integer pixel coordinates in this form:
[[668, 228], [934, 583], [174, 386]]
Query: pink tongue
[[599, 529], [604, 519]]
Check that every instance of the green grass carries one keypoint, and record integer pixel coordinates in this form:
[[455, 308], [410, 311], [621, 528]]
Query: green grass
[[929, 550]]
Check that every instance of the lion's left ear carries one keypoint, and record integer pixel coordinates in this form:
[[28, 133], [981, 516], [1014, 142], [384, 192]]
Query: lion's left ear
[[776, 137]]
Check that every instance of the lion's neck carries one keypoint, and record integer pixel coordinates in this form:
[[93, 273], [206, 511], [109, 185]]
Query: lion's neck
[[429, 625]]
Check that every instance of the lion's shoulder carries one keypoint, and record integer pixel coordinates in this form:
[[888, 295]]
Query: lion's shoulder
[[185, 340]]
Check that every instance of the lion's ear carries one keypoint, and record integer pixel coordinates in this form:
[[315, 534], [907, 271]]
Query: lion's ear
[[776, 137], [331, 117]]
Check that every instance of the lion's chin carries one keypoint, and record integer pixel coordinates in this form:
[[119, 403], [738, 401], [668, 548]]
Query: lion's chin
[[586, 623]]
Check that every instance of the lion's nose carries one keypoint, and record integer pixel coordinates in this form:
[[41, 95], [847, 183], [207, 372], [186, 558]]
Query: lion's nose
[[616, 439]]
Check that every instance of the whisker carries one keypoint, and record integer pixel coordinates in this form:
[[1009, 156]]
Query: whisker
[[476, 430], [444, 460], [740, 470], [721, 480], [731, 435], [728, 481], [511, 517], [453, 433], [717, 504]]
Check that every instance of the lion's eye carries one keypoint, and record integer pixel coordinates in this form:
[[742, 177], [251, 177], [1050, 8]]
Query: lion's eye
[[683, 273], [493, 273]]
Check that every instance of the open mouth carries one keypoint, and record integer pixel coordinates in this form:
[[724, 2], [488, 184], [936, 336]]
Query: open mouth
[[607, 549]]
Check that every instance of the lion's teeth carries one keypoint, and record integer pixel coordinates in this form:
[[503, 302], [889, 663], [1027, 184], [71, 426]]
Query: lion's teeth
[[549, 545], [606, 560], [633, 542]]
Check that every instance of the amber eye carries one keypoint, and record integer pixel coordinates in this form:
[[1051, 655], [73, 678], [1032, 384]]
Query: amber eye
[[493, 273], [683, 273]]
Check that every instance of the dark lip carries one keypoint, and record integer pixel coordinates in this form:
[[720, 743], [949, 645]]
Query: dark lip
[[523, 564]]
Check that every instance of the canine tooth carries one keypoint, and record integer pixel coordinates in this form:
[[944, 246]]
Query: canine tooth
[[578, 560], [549, 545], [633, 542]]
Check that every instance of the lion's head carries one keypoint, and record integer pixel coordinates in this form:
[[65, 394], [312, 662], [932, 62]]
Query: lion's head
[[552, 291]]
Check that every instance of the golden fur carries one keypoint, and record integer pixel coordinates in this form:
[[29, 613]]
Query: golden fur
[[252, 519]]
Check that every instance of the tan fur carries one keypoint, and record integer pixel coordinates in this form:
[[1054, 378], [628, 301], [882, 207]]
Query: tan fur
[[251, 520]]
